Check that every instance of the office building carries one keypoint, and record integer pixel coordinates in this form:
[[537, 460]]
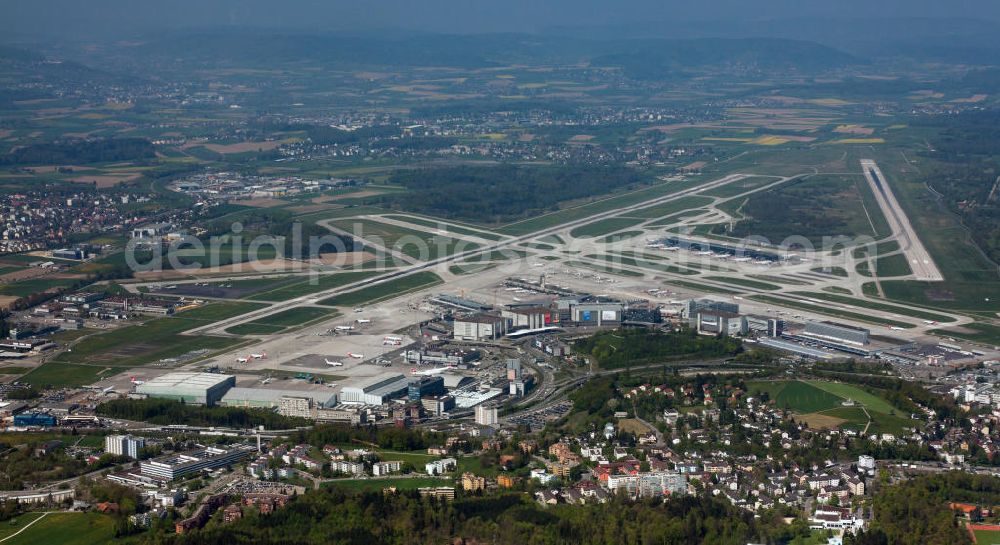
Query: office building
[[425, 386], [487, 416], [168, 468], [694, 306], [124, 445]]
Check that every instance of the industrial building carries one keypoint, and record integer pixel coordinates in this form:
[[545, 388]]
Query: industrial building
[[270, 398], [201, 388], [479, 327], [460, 303], [837, 333], [124, 445], [168, 468], [376, 390], [34, 420]]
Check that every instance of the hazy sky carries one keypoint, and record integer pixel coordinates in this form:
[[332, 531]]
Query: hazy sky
[[25, 18]]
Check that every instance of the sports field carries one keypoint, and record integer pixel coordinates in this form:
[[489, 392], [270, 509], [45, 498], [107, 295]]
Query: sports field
[[823, 404]]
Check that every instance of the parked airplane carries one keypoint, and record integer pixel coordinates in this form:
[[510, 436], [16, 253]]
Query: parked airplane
[[242, 360], [344, 328], [363, 321], [897, 328], [334, 363], [133, 380], [355, 356], [259, 356]]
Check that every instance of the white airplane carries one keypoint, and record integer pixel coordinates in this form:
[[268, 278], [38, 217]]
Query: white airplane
[[108, 390], [897, 328], [392, 338], [259, 356], [333, 363], [363, 321], [930, 322], [355, 356], [429, 372], [242, 360], [344, 328], [135, 381]]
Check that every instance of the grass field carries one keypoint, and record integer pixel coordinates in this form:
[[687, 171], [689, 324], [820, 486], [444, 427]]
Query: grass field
[[312, 284], [830, 311], [604, 227], [796, 396], [67, 529], [388, 290], [905, 311], [744, 282], [108, 353], [987, 537], [449, 227], [416, 244]]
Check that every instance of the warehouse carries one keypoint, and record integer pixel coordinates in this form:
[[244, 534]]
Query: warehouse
[[375, 390], [270, 398], [201, 388]]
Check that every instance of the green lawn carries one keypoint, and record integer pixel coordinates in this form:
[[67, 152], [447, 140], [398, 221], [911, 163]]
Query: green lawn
[[905, 311], [294, 316], [8, 527], [796, 396], [604, 227], [859, 396], [668, 208], [254, 329], [388, 290], [987, 537], [67, 529]]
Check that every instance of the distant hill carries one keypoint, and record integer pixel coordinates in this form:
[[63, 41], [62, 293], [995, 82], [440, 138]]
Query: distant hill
[[661, 59]]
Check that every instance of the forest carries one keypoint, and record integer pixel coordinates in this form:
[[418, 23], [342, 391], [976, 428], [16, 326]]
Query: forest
[[916, 511], [80, 151], [627, 347], [163, 411], [503, 192], [332, 516]]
